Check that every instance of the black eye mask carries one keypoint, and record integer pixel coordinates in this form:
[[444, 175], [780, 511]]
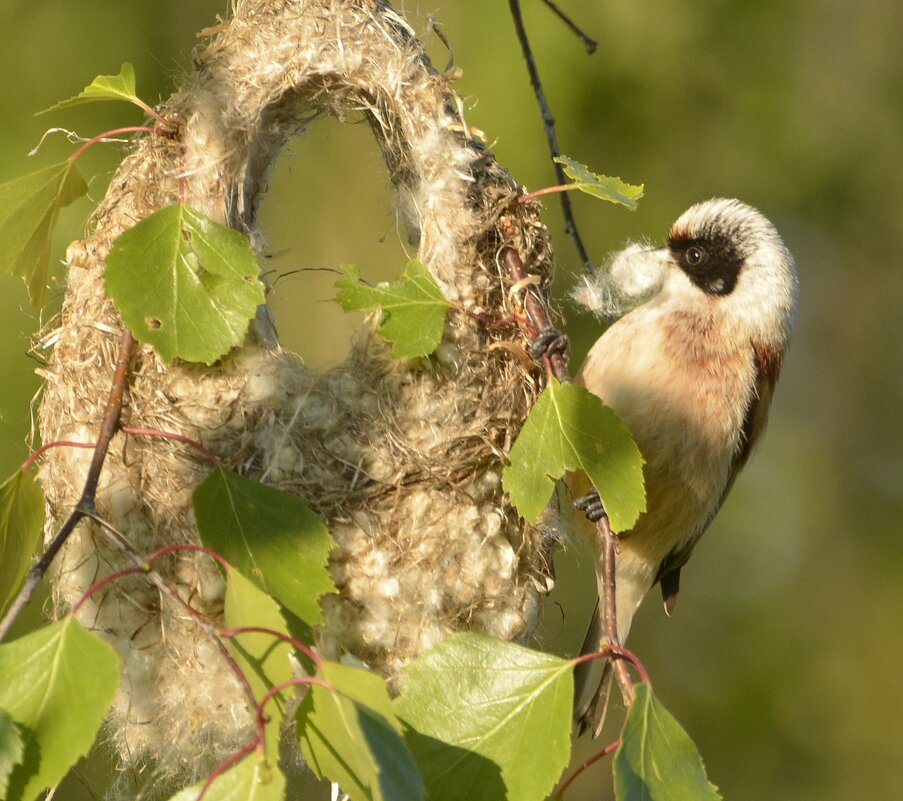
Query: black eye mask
[[712, 263]]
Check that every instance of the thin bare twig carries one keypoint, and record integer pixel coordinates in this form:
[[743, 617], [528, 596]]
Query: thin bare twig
[[588, 42], [86, 505], [570, 226]]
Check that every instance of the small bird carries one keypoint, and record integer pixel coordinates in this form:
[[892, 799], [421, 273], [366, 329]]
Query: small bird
[[690, 370]]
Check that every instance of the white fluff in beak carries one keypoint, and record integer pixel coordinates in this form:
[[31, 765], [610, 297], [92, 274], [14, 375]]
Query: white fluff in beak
[[631, 277]]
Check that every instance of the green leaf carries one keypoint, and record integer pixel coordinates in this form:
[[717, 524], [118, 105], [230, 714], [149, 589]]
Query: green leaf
[[263, 658], [29, 207], [413, 308], [657, 760], [570, 428], [490, 716], [105, 87], [271, 536], [12, 749], [21, 524], [252, 779], [57, 683], [352, 736], [601, 186], [184, 284]]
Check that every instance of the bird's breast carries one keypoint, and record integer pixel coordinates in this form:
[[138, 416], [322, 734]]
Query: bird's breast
[[681, 382]]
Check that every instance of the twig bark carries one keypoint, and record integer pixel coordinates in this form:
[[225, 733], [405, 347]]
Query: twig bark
[[534, 320], [588, 42], [86, 504], [609, 605], [535, 317]]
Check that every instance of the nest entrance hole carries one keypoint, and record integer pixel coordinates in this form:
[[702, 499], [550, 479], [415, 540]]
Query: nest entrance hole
[[329, 202]]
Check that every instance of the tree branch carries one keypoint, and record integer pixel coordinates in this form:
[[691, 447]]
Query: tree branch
[[86, 503], [609, 605], [535, 319]]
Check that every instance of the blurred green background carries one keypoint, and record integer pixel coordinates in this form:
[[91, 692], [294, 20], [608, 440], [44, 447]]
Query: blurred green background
[[783, 661]]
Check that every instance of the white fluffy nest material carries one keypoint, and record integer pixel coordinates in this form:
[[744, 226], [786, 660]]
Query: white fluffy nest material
[[403, 460]]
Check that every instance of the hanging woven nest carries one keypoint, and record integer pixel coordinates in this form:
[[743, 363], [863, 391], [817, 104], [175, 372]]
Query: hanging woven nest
[[402, 459]]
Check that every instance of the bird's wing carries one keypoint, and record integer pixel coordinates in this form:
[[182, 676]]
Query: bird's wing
[[768, 366]]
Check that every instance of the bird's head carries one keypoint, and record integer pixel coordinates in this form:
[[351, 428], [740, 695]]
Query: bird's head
[[735, 257], [719, 252]]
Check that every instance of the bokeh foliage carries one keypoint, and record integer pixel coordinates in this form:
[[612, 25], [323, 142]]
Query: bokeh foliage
[[782, 660]]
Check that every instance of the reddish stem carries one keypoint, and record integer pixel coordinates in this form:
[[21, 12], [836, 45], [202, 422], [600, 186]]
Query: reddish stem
[[258, 743], [533, 321], [227, 763], [154, 432], [127, 571], [591, 761], [60, 443], [611, 650], [166, 124], [297, 681], [106, 134], [187, 547], [300, 646], [205, 625], [521, 199]]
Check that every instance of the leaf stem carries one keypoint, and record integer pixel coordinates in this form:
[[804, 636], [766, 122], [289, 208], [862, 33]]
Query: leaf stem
[[610, 748], [122, 543], [223, 766], [521, 199], [300, 646], [106, 134], [188, 547], [165, 123], [297, 681], [257, 744], [610, 650], [60, 443], [108, 579], [154, 432]]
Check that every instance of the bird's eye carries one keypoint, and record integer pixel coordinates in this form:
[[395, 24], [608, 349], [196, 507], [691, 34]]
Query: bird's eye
[[694, 256]]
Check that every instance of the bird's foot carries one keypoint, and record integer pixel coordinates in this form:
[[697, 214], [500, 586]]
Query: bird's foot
[[550, 341], [591, 505]]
